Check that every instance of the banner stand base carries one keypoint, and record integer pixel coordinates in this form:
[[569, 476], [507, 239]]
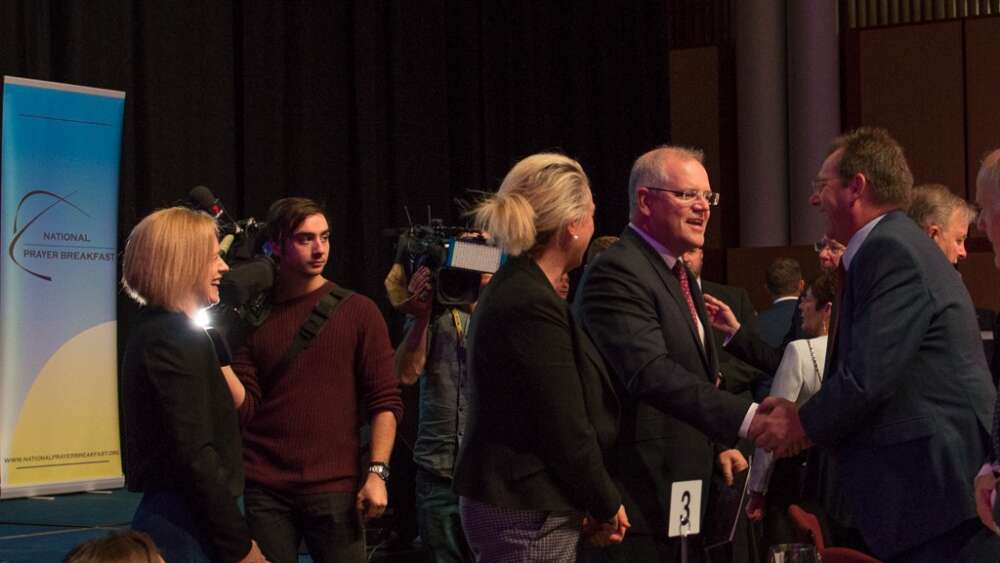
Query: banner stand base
[[47, 489]]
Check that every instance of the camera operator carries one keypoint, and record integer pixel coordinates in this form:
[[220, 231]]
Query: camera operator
[[305, 397], [434, 347], [182, 438]]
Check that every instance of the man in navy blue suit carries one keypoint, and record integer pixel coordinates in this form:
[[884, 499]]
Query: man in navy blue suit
[[907, 403], [784, 283]]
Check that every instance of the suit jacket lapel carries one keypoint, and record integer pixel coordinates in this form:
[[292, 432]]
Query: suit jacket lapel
[[674, 289]]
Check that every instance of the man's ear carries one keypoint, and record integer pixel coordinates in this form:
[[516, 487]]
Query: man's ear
[[642, 201], [858, 185], [934, 231]]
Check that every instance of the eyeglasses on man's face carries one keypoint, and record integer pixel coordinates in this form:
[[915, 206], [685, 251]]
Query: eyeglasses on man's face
[[819, 183], [831, 245], [689, 196]]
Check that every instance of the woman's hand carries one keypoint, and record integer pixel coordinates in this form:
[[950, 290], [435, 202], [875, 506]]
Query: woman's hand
[[985, 487], [603, 534]]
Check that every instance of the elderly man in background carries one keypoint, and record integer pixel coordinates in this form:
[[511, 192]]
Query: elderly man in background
[[945, 218]]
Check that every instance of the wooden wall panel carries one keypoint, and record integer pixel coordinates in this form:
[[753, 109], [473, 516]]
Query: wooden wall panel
[[982, 91], [911, 83], [982, 279]]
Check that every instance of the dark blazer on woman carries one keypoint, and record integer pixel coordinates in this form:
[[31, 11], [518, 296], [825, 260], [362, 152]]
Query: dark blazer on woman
[[543, 409], [181, 430]]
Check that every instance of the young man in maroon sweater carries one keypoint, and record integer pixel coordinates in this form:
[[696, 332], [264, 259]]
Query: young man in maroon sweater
[[300, 424]]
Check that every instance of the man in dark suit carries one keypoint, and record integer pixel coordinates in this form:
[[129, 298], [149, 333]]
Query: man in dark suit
[[784, 283], [645, 312], [988, 199], [906, 402]]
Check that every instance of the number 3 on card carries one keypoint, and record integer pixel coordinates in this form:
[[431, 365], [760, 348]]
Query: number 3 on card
[[685, 509]]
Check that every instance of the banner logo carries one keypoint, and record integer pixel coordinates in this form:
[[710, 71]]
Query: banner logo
[[57, 245]]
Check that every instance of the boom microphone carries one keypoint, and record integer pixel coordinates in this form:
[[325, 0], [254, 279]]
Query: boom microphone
[[206, 200]]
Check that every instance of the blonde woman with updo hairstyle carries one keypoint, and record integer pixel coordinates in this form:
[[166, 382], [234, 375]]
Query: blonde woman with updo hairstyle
[[182, 436], [543, 411]]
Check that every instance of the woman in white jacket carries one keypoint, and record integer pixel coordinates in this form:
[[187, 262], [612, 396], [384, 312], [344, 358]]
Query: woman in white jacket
[[798, 378]]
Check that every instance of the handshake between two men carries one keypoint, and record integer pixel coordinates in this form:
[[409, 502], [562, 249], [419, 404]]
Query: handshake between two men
[[776, 428]]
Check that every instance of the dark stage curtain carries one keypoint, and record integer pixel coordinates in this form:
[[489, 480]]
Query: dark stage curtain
[[369, 107], [365, 106]]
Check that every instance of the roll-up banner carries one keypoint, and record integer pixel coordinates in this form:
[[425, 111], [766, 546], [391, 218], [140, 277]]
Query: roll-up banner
[[61, 150]]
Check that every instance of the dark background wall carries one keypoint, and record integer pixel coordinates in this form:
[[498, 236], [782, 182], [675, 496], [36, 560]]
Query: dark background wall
[[366, 106], [373, 106]]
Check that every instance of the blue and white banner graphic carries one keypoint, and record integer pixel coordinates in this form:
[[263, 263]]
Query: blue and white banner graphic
[[61, 151]]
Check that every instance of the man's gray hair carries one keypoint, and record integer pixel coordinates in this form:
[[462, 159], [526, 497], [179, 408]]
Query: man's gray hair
[[647, 169], [989, 176], [934, 204]]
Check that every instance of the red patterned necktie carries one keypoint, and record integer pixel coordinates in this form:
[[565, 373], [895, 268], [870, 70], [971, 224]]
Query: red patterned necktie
[[681, 272]]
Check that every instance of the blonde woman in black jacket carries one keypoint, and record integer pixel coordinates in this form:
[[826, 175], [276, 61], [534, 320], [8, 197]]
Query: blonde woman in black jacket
[[531, 468]]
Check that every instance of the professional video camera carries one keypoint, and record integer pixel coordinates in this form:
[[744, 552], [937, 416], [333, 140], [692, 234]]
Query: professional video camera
[[245, 287], [456, 257]]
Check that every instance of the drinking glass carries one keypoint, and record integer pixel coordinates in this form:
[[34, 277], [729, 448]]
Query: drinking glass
[[793, 553]]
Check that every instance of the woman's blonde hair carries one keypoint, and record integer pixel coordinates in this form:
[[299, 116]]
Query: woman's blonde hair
[[541, 194], [166, 254]]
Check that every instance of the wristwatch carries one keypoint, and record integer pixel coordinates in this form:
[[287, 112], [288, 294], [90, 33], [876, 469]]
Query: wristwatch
[[380, 469]]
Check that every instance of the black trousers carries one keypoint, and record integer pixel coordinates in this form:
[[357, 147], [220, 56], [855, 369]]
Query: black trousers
[[328, 522]]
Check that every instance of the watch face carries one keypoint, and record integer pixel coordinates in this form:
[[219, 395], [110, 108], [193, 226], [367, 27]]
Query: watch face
[[379, 469]]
